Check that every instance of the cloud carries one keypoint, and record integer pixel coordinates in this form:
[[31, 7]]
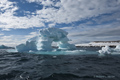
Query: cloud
[[31, 35], [37, 1], [43, 2], [1, 34], [109, 31], [54, 11], [67, 28], [13, 40], [8, 40], [9, 20], [51, 25], [100, 30], [69, 11], [115, 17], [102, 15]]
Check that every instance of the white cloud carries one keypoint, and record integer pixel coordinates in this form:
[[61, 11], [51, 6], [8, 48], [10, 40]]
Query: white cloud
[[63, 11], [13, 40], [47, 2], [8, 20], [1, 34], [67, 28], [51, 25], [38, 1], [70, 10], [106, 18], [67, 11], [5, 5], [43, 2], [109, 31], [31, 35], [8, 40]]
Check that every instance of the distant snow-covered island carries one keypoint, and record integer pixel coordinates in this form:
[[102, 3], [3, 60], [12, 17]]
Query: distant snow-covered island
[[5, 47], [91, 44], [99, 44]]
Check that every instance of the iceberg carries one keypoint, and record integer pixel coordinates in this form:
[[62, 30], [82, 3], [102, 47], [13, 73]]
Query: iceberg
[[44, 40], [5, 47], [117, 48], [105, 50], [29, 46]]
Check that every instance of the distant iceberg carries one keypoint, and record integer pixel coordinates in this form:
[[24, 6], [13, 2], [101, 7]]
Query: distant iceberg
[[5, 47], [108, 50], [44, 41], [105, 50], [117, 48]]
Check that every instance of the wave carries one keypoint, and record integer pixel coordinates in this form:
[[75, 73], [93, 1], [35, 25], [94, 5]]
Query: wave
[[66, 76]]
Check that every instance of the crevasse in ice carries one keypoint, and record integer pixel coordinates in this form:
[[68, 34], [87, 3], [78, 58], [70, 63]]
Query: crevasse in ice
[[44, 41]]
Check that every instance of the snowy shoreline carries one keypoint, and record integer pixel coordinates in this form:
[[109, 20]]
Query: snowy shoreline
[[92, 44]]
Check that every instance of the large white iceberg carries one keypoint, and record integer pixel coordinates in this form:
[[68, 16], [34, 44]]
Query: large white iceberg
[[44, 41]]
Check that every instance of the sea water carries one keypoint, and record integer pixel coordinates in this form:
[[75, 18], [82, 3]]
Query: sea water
[[81, 64]]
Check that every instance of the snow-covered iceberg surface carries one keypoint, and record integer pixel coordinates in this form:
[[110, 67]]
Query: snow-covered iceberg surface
[[44, 40]]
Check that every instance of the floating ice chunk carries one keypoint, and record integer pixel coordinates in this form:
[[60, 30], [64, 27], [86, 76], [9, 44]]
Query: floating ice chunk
[[105, 50], [29, 46], [117, 48], [12, 50]]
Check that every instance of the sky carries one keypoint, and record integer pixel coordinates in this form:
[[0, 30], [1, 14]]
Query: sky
[[84, 20]]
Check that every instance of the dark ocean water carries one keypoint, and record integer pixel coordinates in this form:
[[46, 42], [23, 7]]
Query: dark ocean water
[[24, 66]]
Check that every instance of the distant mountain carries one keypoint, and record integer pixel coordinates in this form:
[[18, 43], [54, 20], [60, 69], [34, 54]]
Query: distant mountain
[[5, 47]]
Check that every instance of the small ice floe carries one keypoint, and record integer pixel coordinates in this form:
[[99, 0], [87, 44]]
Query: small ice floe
[[117, 48], [54, 56], [105, 50], [31, 51], [12, 50]]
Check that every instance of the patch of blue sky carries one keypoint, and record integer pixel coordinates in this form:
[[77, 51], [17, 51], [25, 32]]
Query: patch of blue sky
[[26, 8]]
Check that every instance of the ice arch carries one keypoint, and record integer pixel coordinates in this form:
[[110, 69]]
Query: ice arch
[[44, 41]]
